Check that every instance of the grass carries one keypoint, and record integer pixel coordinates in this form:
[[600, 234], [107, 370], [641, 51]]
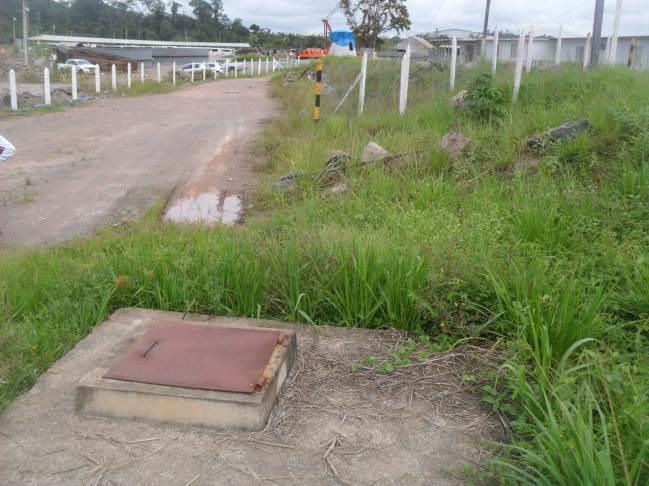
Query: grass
[[551, 262], [38, 110]]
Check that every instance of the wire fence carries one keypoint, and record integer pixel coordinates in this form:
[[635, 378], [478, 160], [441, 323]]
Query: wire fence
[[43, 87], [389, 84], [385, 89]]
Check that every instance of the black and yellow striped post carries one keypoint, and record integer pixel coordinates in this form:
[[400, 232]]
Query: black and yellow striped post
[[632, 48], [318, 90]]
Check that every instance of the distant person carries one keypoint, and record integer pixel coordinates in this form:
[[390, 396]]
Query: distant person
[[6, 149]]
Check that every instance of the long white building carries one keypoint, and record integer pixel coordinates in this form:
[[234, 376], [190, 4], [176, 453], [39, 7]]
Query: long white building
[[631, 48], [573, 50], [73, 41]]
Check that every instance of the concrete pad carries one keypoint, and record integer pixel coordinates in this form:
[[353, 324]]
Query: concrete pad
[[98, 396], [418, 426]]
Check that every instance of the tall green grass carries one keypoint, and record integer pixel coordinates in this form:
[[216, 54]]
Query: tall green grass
[[550, 261]]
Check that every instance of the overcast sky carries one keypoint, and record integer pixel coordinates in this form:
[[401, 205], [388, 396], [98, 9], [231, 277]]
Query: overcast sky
[[576, 16]]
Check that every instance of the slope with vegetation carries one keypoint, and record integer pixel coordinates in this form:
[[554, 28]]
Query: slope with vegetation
[[543, 254]]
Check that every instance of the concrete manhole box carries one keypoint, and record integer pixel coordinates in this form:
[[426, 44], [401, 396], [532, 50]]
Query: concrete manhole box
[[193, 373]]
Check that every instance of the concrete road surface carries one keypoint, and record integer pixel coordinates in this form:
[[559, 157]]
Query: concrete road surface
[[111, 160]]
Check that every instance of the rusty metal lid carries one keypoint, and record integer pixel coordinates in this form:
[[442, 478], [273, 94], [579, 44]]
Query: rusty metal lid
[[206, 357]]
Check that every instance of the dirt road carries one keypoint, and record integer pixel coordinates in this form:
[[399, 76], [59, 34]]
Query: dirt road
[[109, 161]]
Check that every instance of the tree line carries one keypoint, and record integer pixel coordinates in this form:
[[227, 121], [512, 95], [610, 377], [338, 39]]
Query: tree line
[[142, 19], [167, 20]]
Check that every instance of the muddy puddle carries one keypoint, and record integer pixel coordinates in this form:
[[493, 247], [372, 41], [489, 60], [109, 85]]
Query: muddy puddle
[[215, 207]]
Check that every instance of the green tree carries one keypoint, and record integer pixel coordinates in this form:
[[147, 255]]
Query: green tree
[[174, 12], [368, 19]]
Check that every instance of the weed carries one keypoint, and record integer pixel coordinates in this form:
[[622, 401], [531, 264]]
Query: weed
[[552, 264], [486, 101]]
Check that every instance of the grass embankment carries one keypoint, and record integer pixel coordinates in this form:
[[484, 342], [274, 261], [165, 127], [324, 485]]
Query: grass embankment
[[552, 261]]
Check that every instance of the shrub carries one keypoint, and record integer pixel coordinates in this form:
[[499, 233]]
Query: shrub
[[486, 100]]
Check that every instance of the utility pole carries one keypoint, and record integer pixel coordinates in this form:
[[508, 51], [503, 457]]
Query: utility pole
[[486, 19], [25, 33], [596, 43], [485, 27]]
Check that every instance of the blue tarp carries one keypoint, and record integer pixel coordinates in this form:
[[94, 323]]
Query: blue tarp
[[342, 38]]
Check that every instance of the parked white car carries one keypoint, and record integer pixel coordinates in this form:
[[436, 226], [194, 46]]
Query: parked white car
[[230, 65], [82, 65], [214, 66], [197, 67]]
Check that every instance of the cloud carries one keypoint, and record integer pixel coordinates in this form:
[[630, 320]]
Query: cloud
[[576, 16]]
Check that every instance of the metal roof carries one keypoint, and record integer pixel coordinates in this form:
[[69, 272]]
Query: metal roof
[[64, 39], [415, 38]]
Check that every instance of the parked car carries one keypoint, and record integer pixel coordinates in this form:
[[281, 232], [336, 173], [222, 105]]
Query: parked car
[[197, 67], [229, 63], [214, 66], [82, 65]]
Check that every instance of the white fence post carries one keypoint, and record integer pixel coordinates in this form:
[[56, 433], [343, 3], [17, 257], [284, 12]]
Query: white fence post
[[252, 67], [259, 68], [530, 54], [97, 79], [243, 71], [405, 73], [361, 90], [267, 65], [113, 76], [141, 72], [46, 87], [12, 90], [607, 53], [173, 74], [158, 73], [192, 72], [587, 52], [612, 57], [274, 64], [518, 72], [74, 83], [128, 75], [215, 64], [227, 68], [557, 52], [204, 68], [453, 62], [494, 61], [236, 68]]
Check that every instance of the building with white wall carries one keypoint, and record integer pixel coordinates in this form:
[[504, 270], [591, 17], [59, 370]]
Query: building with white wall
[[573, 49]]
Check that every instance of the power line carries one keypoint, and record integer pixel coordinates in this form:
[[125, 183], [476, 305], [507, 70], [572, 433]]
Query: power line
[[570, 10], [333, 11], [471, 2], [438, 11]]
